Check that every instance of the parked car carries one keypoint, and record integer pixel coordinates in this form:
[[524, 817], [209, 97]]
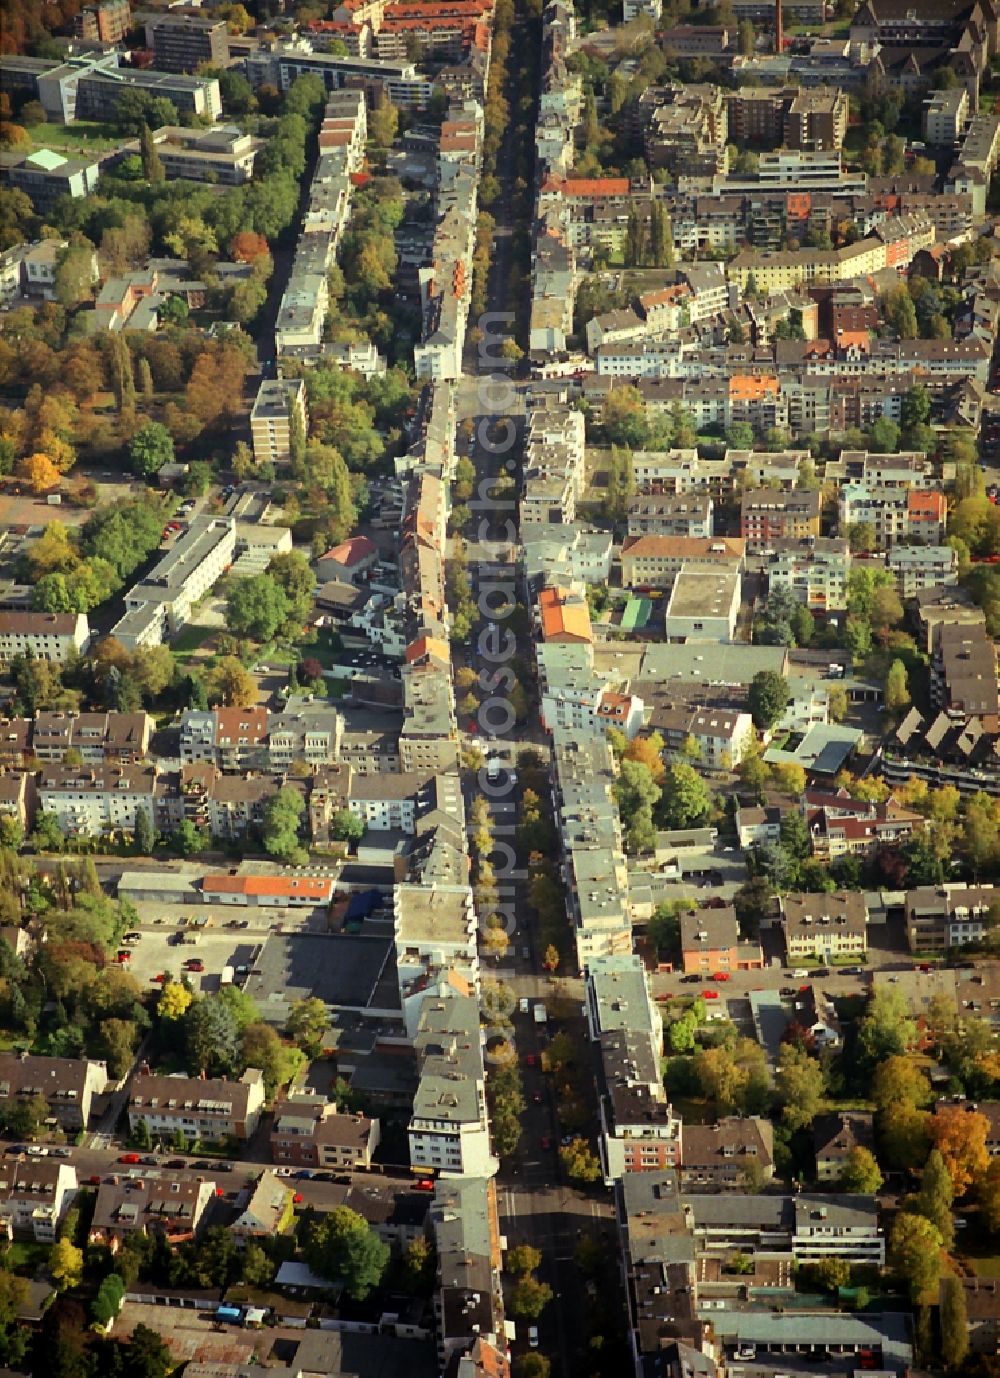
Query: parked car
[[129, 1158], [194, 964], [720, 975], [710, 995], [533, 1336]]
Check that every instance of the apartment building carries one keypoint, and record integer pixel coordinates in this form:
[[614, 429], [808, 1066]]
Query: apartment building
[[766, 516], [448, 1131], [108, 22], [304, 730], [655, 561], [825, 926], [53, 636], [227, 805], [895, 514], [428, 739], [310, 1131], [806, 1227], [162, 603], [231, 738], [815, 570], [836, 1136], [278, 400], [89, 801], [671, 514], [662, 1287], [171, 1205], [919, 567], [638, 1129], [212, 1110], [35, 1194], [182, 42], [942, 917], [728, 1155], [593, 859], [710, 942], [118, 738], [434, 930], [816, 120], [944, 116], [467, 1296], [964, 676], [685, 129], [68, 1085]]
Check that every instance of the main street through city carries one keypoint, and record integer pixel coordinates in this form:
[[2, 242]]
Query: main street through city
[[537, 1207]]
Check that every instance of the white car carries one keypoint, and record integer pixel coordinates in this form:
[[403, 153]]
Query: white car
[[282, 1171], [533, 1336]]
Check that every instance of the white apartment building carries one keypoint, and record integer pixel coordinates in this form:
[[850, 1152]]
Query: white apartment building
[[88, 801], [210, 1111], [638, 1129], [158, 607], [53, 636], [35, 1196], [449, 1126], [919, 567], [302, 313], [434, 930], [390, 803], [724, 735], [815, 570]]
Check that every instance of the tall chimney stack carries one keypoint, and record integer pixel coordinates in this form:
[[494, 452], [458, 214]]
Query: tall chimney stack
[[779, 37]]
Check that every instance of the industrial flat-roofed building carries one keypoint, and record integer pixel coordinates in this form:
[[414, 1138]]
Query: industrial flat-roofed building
[[703, 606]]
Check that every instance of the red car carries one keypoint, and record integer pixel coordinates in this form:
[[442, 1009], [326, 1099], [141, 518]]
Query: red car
[[425, 1184], [546, 1142], [130, 1158], [720, 976], [160, 977], [194, 964], [710, 995], [123, 957], [530, 1059]]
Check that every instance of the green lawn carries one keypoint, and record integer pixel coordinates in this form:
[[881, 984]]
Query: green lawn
[[74, 138], [191, 638]]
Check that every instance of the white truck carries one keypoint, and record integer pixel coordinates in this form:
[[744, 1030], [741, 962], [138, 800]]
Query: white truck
[[227, 975], [540, 1013]]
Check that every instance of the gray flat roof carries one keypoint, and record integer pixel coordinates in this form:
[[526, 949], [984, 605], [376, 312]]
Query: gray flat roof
[[338, 969]]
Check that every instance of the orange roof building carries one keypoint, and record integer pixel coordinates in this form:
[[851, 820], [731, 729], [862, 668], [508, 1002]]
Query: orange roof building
[[564, 616], [308, 891]]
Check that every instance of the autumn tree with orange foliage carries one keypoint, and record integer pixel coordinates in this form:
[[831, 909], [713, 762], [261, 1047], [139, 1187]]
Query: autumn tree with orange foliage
[[215, 388], [960, 1136], [38, 472], [647, 751], [248, 246]]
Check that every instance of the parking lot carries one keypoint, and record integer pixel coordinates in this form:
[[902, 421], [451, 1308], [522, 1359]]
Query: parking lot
[[231, 937]]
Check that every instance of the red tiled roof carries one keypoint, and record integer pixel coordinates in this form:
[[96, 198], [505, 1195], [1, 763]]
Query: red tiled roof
[[312, 887]]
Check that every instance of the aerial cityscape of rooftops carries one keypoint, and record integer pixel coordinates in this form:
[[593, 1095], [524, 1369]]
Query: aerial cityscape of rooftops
[[499, 695]]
